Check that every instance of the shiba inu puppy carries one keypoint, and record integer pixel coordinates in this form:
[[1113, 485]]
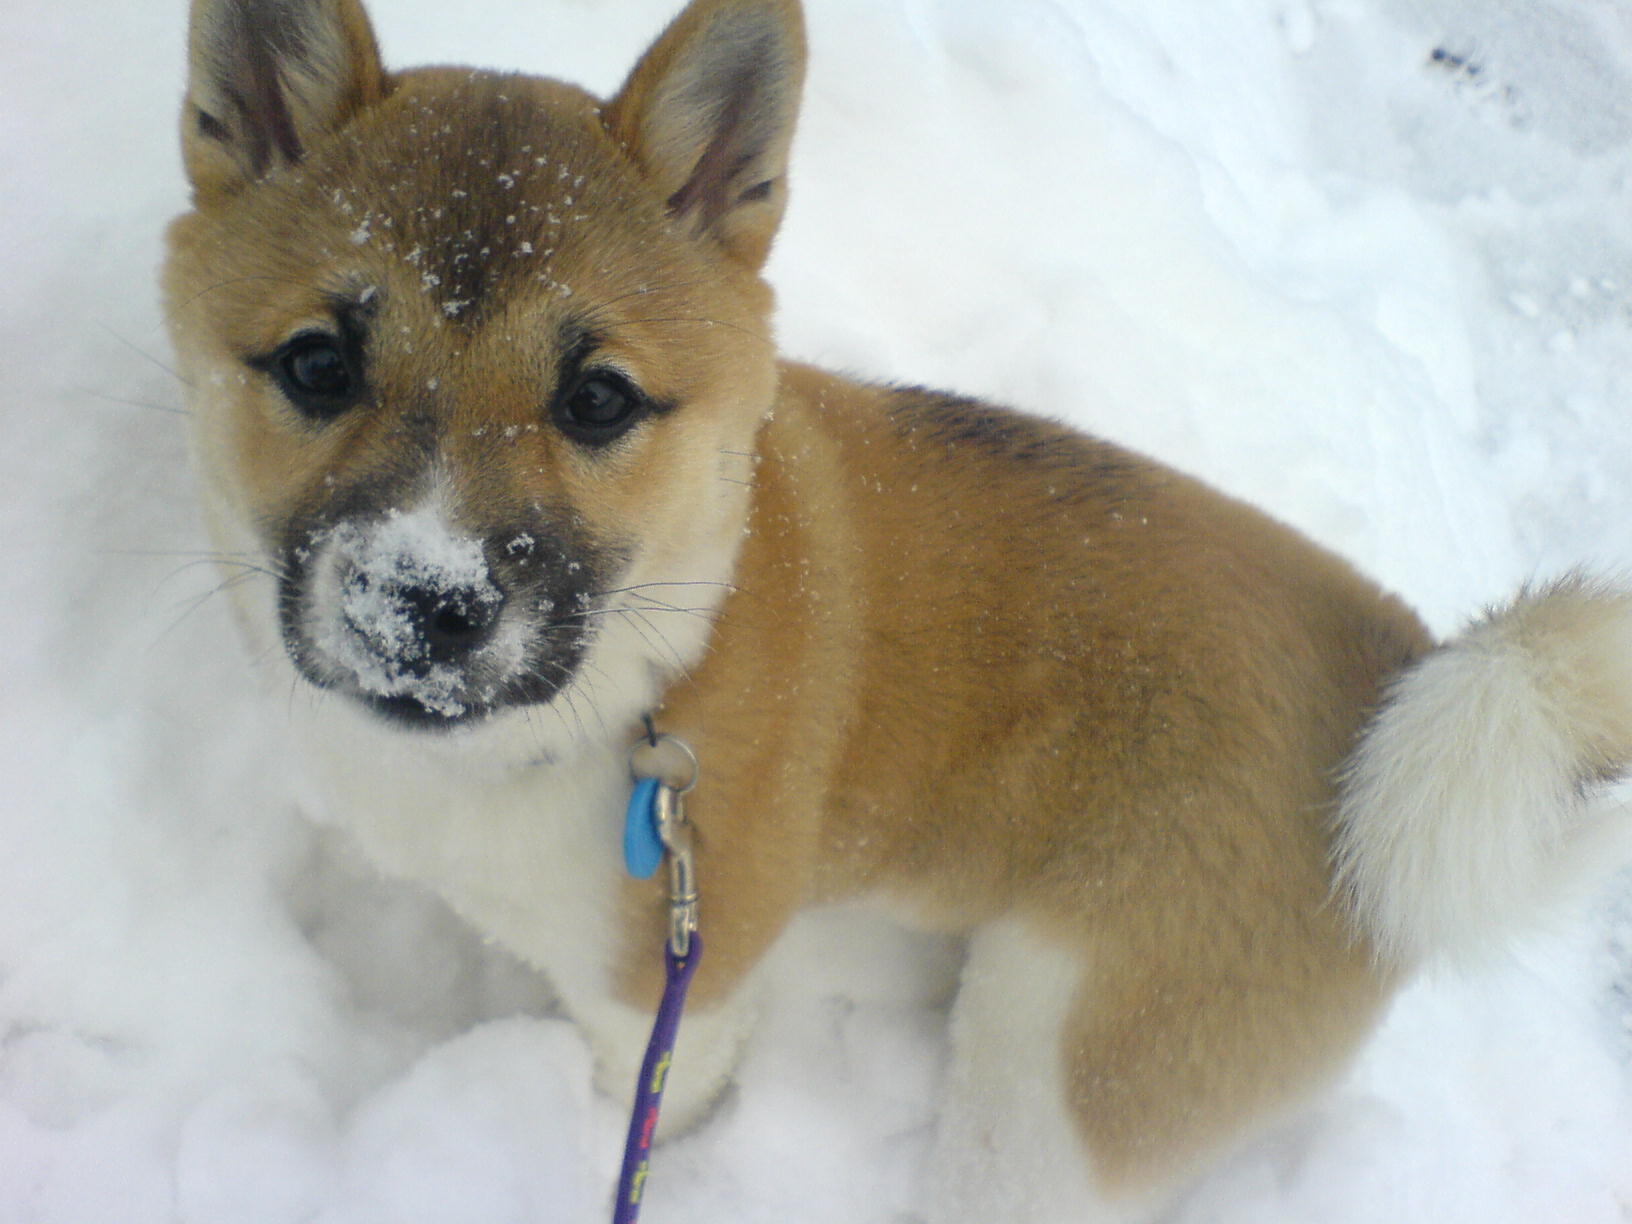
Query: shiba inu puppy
[[482, 373]]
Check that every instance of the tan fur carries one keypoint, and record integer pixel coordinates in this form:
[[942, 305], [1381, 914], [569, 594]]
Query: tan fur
[[1099, 695], [971, 662]]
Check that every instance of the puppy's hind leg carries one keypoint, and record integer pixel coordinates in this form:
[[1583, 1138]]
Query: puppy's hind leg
[[1008, 1145], [1094, 1075]]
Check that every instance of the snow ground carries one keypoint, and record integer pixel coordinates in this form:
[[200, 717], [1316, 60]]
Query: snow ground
[[1364, 262]]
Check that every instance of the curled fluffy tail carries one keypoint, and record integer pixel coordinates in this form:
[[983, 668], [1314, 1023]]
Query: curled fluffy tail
[[1470, 787]]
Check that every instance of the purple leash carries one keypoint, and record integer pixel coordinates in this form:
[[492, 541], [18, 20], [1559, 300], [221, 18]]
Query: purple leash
[[655, 831], [654, 1074]]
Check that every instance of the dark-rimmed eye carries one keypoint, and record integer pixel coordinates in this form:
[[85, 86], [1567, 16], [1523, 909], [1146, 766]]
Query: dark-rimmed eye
[[317, 374], [599, 406]]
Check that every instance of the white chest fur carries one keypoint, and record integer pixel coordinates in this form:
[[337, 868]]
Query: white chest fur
[[529, 855]]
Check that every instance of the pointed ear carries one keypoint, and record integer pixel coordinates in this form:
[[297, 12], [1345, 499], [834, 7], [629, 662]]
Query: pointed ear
[[709, 112], [266, 79]]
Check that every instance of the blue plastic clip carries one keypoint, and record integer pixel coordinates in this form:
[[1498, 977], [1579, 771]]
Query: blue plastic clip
[[642, 847]]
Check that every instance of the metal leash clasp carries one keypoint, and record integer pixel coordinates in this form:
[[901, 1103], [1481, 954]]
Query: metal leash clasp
[[675, 833], [665, 758]]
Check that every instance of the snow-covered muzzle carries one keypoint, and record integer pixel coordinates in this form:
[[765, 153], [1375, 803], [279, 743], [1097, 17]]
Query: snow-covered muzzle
[[432, 627]]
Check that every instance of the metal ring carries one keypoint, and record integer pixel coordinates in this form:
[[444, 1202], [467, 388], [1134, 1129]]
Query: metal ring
[[654, 745]]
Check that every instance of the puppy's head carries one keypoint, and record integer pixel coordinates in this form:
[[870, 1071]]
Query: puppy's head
[[477, 361]]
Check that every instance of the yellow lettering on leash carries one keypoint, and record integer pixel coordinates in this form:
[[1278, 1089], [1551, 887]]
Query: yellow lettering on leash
[[661, 1071]]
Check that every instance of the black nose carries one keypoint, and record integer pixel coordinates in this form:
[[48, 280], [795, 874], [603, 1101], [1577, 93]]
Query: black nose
[[450, 623], [413, 626]]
